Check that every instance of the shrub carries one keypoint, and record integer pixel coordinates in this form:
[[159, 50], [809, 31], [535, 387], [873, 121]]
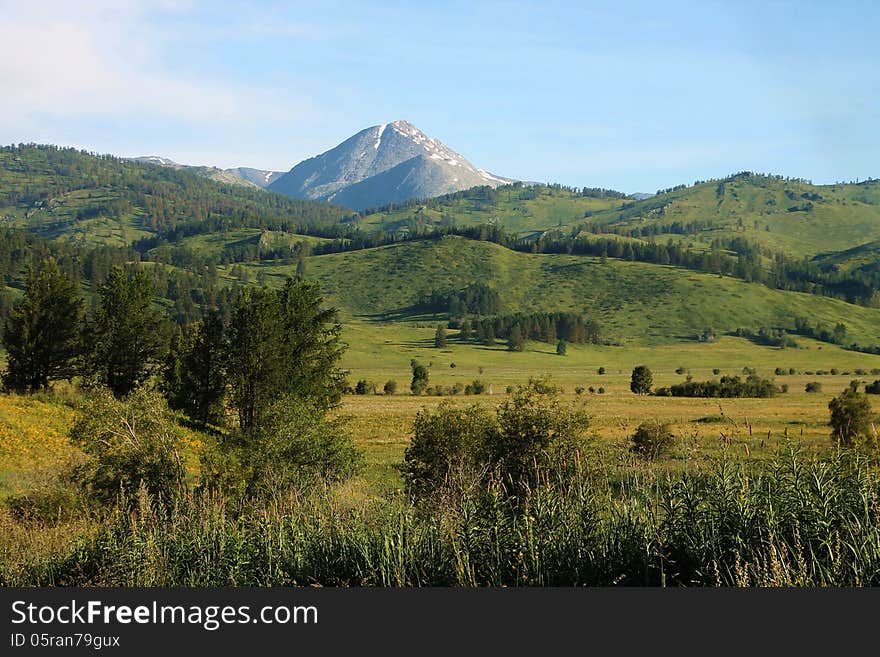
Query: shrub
[[851, 418], [601, 371], [601, 391], [530, 435], [390, 387], [579, 390], [641, 380], [361, 387], [475, 387], [680, 370], [716, 371], [129, 443], [295, 446], [446, 448], [813, 386], [652, 439], [873, 388], [419, 377]]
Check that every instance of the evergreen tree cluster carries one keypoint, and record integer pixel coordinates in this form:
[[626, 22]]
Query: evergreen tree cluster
[[543, 327], [475, 299]]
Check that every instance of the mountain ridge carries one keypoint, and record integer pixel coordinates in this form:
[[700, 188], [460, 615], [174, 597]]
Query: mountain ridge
[[362, 159]]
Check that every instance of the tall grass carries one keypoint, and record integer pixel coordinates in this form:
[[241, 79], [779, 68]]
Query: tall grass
[[795, 522]]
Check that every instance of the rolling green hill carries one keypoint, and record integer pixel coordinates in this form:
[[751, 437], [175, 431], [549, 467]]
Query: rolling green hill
[[63, 193], [786, 216], [192, 224], [634, 302]]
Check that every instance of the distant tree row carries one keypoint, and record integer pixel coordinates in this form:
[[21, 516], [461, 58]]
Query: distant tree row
[[728, 386], [517, 328]]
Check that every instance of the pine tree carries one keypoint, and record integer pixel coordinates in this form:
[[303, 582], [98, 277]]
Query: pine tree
[[127, 336], [561, 348], [282, 343], [42, 334], [515, 341], [195, 380], [440, 337]]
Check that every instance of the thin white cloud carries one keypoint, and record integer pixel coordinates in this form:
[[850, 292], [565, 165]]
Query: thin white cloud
[[105, 59]]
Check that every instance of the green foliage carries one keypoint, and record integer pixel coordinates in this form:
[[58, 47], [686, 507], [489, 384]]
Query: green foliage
[[728, 386], [126, 336], [440, 337], [532, 436], [282, 343], [476, 387], [873, 388], [194, 380], [561, 348], [294, 446], [641, 381], [851, 419], [42, 334], [515, 340], [130, 442], [446, 451], [390, 387], [652, 439], [419, 377]]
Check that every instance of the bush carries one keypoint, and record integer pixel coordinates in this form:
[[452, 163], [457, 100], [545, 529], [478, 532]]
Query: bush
[[813, 386], [641, 381], [873, 388], [295, 446], [680, 370], [361, 387], [579, 390], [531, 435], [446, 449], [475, 387], [390, 387], [601, 391], [129, 443], [716, 371], [419, 378], [652, 439], [851, 419], [601, 371]]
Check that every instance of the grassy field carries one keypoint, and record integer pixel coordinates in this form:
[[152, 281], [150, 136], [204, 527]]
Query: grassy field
[[381, 423], [33, 430]]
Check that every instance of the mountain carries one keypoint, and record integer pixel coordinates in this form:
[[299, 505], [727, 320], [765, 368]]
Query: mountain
[[259, 177], [387, 163], [235, 176], [227, 176]]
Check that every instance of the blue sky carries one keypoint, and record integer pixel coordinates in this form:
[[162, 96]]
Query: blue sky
[[630, 95]]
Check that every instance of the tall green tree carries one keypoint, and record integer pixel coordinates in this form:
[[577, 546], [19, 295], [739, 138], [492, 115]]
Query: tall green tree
[[127, 337], [42, 334], [311, 344], [641, 381], [282, 343], [195, 378], [516, 341], [440, 337]]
